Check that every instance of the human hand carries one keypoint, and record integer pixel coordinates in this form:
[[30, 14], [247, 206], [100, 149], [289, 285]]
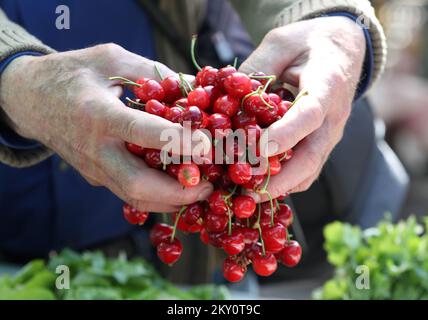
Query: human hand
[[323, 56], [65, 101]]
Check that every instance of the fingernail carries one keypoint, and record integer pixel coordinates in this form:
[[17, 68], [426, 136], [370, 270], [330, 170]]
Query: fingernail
[[205, 193]]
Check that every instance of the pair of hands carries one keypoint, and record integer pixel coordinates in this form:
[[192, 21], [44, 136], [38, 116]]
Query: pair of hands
[[66, 102]]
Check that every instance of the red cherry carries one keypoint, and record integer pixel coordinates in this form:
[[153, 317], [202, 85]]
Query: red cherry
[[183, 226], [138, 90], [274, 237], [216, 238], [150, 89], [192, 213], [172, 170], [265, 265], [242, 120], [238, 85], [204, 236], [188, 174], [274, 98], [255, 182], [134, 216], [255, 84], [181, 103], [232, 270], [260, 74], [227, 105], [235, 150], [224, 182], [251, 236], [234, 243], [243, 206], [171, 88], [217, 202], [206, 77], [218, 123], [284, 215], [253, 250], [239, 173], [215, 222], [174, 114], [156, 108], [152, 158], [274, 165], [199, 98], [291, 254], [255, 104], [268, 116], [169, 251], [212, 172], [283, 107], [214, 93], [193, 115], [222, 74], [160, 232], [135, 149]]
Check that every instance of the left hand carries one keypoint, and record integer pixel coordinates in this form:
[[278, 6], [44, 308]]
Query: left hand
[[323, 56]]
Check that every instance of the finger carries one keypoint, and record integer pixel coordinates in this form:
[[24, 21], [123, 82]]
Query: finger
[[308, 159], [301, 120], [140, 182], [145, 129]]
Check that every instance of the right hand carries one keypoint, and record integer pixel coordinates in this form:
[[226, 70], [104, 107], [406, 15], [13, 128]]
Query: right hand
[[65, 101]]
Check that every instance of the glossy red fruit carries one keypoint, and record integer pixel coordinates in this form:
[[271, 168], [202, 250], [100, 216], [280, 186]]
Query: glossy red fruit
[[138, 89], [238, 85], [235, 150], [251, 236], [224, 182], [274, 165], [268, 116], [222, 74], [284, 215], [215, 222], [243, 206], [169, 251], [160, 232], [232, 270], [134, 216], [204, 236], [216, 238], [274, 237], [214, 93], [253, 250], [181, 103], [261, 77], [218, 125], [240, 173], [255, 182], [283, 107], [198, 97], [255, 84], [265, 265], [188, 174], [135, 149], [171, 88], [274, 98], [207, 76], [218, 203], [172, 170], [211, 172], [234, 243], [150, 89], [242, 120], [152, 158], [291, 254], [193, 115], [156, 108], [227, 105], [256, 104], [187, 228], [193, 213], [174, 114]]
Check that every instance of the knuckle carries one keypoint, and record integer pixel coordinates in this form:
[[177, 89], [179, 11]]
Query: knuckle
[[274, 35], [132, 188], [182, 198], [316, 115], [109, 49]]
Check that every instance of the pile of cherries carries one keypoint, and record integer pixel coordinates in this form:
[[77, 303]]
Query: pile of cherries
[[221, 99]]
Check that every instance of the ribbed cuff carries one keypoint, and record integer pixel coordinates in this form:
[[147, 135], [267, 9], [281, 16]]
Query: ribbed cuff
[[309, 9]]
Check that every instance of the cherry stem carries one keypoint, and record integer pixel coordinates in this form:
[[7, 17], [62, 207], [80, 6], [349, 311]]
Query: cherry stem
[[271, 208], [135, 102], [231, 193], [264, 188], [176, 222], [126, 81], [183, 85], [299, 96], [192, 52], [259, 213], [229, 223], [283, 157], [159, 74], [235, 62], [250, 94]]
